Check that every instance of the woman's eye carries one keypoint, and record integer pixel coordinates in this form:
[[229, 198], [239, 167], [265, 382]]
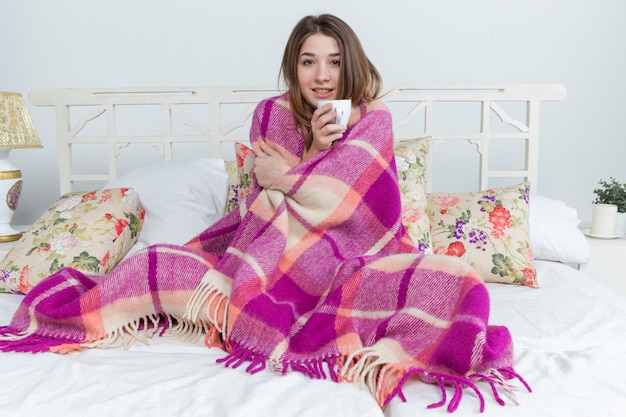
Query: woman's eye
[[336, 62], [307, 62]]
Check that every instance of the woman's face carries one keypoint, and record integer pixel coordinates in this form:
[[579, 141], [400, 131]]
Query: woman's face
[[319, 68]]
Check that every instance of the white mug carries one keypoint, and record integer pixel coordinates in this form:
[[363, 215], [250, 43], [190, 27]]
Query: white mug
[[342, 107]]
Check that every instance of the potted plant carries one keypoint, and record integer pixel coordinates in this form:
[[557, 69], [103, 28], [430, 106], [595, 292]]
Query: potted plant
[[613, 192]]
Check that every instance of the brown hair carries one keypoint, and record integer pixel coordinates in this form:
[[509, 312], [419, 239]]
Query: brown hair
[[359, 79]]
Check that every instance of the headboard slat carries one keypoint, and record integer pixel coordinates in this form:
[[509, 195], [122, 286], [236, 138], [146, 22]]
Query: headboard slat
[[221, 115]]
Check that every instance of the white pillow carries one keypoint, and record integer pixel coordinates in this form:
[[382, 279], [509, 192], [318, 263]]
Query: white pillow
[[181, 198], [554, 232]]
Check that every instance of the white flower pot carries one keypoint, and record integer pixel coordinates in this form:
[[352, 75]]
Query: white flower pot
[[620, 224]]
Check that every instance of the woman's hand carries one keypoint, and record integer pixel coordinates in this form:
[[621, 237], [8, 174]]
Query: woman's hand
[[269, 165], [324, 129]]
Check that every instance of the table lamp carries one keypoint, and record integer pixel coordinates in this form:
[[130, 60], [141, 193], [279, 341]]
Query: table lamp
[[16, 131]]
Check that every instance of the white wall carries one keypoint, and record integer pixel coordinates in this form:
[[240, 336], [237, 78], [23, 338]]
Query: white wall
[[87, 43]]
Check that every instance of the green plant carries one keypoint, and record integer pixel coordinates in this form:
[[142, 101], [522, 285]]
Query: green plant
[[611, 192]]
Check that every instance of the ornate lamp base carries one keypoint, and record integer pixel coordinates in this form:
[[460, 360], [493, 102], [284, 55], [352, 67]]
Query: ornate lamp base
[[9, 235], [10, 190]]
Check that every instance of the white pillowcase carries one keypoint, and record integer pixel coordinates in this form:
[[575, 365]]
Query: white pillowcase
[[181, 198], [554, 232]]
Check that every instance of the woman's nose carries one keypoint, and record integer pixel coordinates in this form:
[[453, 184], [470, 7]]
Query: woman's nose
[[322, 73]]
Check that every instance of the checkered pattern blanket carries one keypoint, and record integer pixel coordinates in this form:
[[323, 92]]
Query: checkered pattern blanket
[[314, 274]]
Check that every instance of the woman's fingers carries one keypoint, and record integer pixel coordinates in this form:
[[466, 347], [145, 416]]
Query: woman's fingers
[[262, 149], [323, 116], [325, 130], [266, 149]]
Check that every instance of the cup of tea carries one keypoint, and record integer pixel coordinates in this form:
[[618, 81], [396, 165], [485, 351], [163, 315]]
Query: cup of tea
[[342, 107]]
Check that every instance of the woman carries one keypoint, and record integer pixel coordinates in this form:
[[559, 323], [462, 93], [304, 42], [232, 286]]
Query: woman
[[332, 274], [313, 273], [324, 60]]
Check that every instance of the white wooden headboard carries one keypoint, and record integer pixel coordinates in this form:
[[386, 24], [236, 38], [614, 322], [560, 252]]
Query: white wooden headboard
[[207, 120]]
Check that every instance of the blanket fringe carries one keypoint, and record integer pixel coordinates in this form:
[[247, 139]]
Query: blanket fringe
[[494, 378], [362, 367], [214, 302], [237, 356], [26, 342], [385, 381], [142, 330], [145, 328]]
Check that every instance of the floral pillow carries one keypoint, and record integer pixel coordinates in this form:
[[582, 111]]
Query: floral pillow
[[488, 229], [411, 165], [88, 231], [239, 176]]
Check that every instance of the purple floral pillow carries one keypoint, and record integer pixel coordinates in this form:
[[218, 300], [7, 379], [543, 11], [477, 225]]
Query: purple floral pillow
[[488, 229]]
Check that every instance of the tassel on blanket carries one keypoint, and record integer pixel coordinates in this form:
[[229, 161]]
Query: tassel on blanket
[[141, 330], [385, 381], [391, 385]]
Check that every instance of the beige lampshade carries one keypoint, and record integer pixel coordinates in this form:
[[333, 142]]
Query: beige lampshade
[[16, 127]]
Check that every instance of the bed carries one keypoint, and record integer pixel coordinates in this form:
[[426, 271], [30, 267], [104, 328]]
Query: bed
[[178, 149]]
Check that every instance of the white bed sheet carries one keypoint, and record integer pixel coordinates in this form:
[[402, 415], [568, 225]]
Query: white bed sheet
[[570, 346]]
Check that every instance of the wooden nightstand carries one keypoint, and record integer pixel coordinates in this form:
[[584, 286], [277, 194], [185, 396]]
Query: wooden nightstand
[[607, 262]]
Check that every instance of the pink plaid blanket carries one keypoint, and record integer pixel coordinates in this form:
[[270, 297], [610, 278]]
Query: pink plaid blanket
[[314, 274]]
